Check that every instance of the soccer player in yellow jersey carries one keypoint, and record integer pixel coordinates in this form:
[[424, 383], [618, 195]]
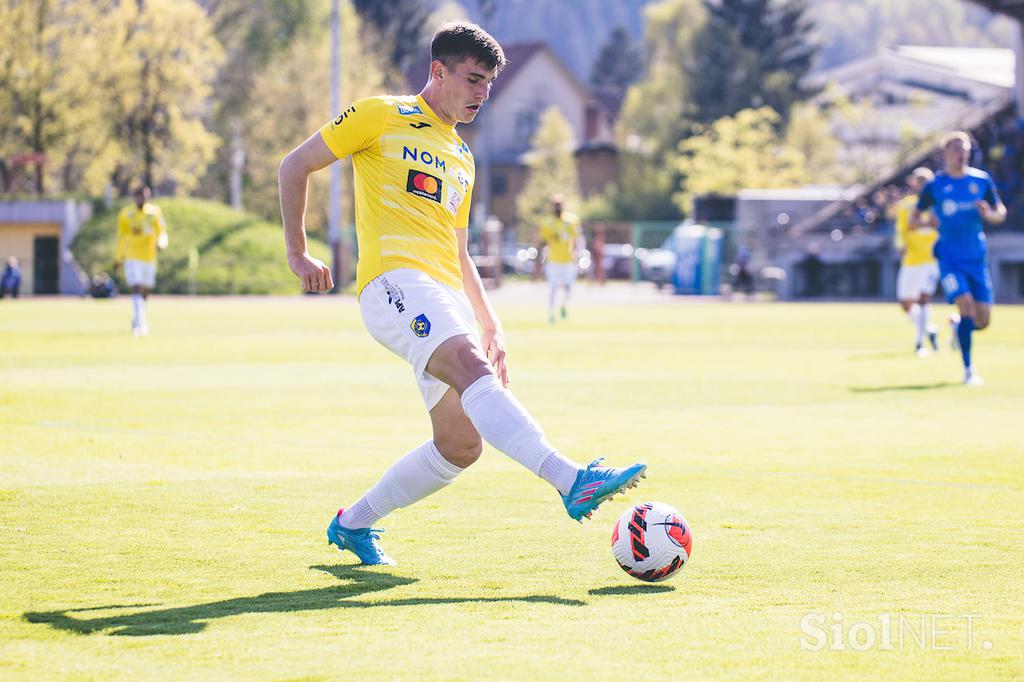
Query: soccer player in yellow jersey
[[419, 292], [919, 271], [560, 230], [141, 230]]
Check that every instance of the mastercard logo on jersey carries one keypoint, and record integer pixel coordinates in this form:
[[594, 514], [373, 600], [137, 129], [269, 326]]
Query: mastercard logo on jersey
[[424, 185]]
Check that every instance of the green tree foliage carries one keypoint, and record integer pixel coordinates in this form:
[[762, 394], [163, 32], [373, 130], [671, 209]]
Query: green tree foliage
[[401, 24], [657, 114], [50, 54], [618, 65], [736, 152], [160, 92], [291, 101], [238, 252], [810, 134], [751, 53], [107, 89], [552, 167], [253, 33]]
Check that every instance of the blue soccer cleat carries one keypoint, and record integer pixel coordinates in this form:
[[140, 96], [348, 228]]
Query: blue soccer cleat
[[360, 541], [595, 484]]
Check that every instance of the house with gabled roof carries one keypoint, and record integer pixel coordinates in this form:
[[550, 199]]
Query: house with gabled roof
[[534, 80]]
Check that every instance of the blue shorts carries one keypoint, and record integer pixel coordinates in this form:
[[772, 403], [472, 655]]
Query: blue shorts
[[959, 277]]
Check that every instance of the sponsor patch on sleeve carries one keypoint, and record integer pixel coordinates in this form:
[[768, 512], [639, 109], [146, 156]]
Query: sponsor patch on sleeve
[[454, 201]]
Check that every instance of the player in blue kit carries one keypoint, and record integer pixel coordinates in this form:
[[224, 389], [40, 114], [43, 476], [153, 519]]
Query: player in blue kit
[[963, 199]]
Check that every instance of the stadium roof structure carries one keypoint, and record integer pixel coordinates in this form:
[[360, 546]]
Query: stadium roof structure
[[1011, 8]]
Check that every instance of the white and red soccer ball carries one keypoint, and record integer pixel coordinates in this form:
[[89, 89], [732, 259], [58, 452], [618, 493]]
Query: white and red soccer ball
[[651, 541]]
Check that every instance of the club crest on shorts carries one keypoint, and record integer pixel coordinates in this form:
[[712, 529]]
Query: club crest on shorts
[[421, 326]]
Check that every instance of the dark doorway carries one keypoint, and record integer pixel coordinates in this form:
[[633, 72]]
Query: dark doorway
[[46, 265]]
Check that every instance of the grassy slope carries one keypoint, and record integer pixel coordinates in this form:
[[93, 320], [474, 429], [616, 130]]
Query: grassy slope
[[174, 490], [238, 252]]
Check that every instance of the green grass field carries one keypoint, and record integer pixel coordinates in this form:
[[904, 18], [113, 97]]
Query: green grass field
[[163, 500]]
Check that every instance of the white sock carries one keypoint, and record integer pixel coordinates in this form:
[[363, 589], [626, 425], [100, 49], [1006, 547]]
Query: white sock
[[552, 291], [505, 424], [926, 317], [915, 316], [138, 310], [419, 473], [922, 323]]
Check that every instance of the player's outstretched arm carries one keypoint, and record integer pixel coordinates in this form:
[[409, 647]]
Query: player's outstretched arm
[[492, 337], [993, 215], [293, 180]]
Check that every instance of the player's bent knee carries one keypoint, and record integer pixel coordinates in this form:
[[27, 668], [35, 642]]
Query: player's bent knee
[[463, 453]]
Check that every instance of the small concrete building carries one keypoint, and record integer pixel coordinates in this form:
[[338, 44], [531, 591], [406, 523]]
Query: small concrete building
[[39, 234]]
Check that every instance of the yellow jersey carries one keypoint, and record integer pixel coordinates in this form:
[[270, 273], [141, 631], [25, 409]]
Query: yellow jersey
[[560, 234], [138, 232], [919, 243], [413, 182]]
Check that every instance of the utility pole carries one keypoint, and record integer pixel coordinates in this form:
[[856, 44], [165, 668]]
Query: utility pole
[[334, 236], [483, 188]]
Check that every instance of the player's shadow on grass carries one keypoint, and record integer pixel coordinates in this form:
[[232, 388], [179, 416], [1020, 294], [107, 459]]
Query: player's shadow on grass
[[631, 589], [906, 387], [184, 620]]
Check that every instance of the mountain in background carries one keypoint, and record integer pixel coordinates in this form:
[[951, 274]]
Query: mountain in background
[[577, 29]]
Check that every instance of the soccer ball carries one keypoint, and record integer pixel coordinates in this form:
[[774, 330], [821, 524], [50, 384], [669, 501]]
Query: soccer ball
[[651, 541]]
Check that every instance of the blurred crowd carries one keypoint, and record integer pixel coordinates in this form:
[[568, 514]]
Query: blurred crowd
[[998, 149]]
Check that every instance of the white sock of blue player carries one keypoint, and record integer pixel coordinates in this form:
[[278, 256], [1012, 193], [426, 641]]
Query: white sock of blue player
[[504, 423], [419, 473]]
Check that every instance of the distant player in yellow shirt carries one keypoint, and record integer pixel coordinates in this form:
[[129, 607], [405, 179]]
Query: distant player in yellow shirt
[[419, 292], [141, 230], [560, 231], [919, 271]]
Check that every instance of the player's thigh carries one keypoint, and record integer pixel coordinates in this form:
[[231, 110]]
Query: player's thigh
[[458, 362], [965, 305], [413, 316], [979, 278], [982, 314], [456, 438]]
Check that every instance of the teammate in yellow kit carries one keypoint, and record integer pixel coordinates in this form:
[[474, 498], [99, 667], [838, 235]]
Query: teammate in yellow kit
[[560, 230], [919, 271], [141, 230], [419, 292]]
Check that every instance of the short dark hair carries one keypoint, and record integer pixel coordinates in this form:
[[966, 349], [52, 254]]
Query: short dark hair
[[460, 40]]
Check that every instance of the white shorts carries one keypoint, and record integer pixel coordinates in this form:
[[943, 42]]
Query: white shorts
[[914, 280], [411, 314], [139, 273], [560, 274]]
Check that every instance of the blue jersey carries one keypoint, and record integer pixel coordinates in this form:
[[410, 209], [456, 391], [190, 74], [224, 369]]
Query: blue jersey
[[954, 200]]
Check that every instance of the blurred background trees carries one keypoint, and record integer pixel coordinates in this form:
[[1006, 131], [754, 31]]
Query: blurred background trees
[[204, 97]]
